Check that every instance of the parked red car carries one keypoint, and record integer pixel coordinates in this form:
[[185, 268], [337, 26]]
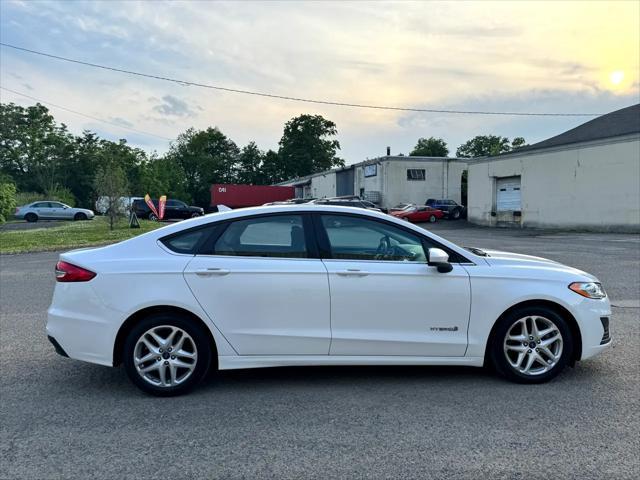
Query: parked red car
[[419, 213]]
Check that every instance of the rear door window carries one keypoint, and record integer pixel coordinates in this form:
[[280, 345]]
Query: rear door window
[[267, 236]]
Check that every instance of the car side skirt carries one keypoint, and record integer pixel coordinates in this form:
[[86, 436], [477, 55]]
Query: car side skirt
[[258, 361]]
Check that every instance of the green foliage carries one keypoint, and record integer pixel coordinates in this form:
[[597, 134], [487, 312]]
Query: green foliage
[[7, 200], [250, 165], [430, 147], [308, 146], [61, 194], [485, 145], [204, 157], [42, 158], [70, 235]]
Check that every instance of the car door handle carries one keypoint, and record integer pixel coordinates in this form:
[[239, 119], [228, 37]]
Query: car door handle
[[207, 272], [352, 272]]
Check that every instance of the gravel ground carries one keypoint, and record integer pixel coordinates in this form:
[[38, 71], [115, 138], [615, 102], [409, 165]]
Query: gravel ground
[[66, 419]]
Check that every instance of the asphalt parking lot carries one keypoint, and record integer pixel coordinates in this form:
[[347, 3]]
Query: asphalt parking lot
[[66, 419]]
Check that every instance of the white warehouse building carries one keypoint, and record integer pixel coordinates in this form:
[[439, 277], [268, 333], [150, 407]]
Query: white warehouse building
[[388, 181], [587, 178]]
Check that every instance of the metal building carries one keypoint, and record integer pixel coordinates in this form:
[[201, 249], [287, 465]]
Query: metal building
[[585, 178], [388, 181]]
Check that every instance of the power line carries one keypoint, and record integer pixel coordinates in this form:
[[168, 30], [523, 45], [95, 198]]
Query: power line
[[297, 99], [85, 115]]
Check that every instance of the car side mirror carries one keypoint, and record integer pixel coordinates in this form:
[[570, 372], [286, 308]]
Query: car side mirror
[[440, 259]]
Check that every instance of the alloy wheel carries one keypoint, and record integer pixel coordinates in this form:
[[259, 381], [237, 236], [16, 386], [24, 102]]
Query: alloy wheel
[[165, 356], [533, 345]]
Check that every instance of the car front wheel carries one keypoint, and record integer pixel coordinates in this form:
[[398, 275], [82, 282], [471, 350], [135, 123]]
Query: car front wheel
[[531, 345], [456, 214], [432, 219], [166, 355], [195, 215], [153, 217], [80, 216]]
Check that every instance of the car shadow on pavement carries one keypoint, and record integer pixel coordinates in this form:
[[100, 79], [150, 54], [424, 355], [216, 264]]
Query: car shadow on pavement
[[88, 380]]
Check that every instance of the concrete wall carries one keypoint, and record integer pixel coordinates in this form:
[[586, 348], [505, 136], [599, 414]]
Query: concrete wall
[[442, 180], [323, 185], [592, 186]]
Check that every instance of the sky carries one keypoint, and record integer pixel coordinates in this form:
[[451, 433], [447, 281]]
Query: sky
[[572, 57]]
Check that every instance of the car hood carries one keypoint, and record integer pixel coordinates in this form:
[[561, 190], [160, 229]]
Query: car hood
[[517, 260]]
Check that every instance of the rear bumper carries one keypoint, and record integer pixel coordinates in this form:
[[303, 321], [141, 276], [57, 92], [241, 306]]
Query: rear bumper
[[81, 337]]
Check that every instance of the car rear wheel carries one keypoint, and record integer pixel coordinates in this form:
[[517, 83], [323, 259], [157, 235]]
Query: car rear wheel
[[166, 355], [531, 345], [31, 217], [432, 219], [80, 216]]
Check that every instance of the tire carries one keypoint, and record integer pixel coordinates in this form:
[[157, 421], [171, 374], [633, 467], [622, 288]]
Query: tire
[[153, 217], [455, 215], [547, 362], [80, 216], [31, 217], [159, 381], [432, 219], [195, 215]]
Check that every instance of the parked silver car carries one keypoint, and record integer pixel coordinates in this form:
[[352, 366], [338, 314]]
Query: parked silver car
[[50, 210]]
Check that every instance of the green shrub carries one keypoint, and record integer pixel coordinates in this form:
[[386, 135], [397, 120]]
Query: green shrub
[[7, 201], [24, 198], [60, 194]]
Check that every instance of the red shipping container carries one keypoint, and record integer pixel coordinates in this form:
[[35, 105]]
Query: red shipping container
[[236, 196]]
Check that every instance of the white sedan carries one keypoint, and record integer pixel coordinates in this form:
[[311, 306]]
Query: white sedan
[[318, 285]]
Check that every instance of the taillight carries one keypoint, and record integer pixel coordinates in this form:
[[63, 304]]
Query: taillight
[[66, 272], [17, 210]]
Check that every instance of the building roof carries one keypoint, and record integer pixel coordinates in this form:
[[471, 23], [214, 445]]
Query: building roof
[[621, 122]]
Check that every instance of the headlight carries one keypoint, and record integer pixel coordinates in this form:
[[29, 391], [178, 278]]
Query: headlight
[[588, 289]]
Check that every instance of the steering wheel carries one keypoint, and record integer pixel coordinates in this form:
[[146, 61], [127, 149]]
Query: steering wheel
[[384, 248]]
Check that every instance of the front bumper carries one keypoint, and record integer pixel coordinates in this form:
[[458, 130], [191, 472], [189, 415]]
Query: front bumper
[[59, 350], [594, 319]]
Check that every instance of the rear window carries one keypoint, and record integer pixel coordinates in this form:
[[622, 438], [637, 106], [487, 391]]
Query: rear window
[[189, 241]]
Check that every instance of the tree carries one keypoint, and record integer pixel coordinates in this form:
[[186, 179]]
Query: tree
[[308, 146], [250, 165], [485, 145], [205, 157], [111, 184], [32, 147], [273, 169], [7, 199], [430, 147]]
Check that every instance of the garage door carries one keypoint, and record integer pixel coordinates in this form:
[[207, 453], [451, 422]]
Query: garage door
[[508, 194]]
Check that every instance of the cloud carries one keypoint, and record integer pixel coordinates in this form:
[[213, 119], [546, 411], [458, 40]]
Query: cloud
[[173, 106], [475, 55], [121, 121]]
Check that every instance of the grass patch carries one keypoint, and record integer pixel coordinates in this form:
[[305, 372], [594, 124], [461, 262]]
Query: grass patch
[[70, 235]]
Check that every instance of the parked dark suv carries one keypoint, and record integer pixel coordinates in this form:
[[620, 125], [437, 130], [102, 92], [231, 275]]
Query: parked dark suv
[[173, 210], [451, 209]]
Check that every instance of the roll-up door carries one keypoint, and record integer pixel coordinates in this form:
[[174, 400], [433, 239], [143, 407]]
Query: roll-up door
[[508, 196]]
